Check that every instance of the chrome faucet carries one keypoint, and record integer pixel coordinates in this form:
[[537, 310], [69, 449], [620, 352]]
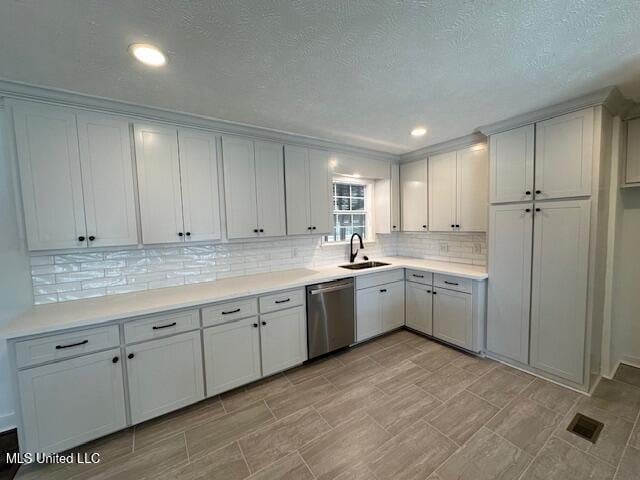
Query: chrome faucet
[[352, 255]]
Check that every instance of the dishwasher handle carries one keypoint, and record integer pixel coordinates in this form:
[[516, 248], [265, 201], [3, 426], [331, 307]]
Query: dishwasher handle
[[335, 288]]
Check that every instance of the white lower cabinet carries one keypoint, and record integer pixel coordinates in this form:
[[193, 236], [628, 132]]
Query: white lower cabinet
[[283, 338], [379, 309], [419, 307], [68, 403], [164, 375], [231, 354], [453, 317]]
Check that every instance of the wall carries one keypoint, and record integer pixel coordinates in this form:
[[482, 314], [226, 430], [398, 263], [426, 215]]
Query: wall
[[73, 276], [15, 282]]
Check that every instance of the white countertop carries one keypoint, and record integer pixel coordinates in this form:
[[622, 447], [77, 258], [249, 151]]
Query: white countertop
[[82, 313]]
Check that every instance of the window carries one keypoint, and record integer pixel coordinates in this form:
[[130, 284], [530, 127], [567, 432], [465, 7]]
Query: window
[[351, 210]]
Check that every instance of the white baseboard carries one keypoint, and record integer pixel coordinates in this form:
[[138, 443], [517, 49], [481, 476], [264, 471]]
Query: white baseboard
[[7, 421], [631, 361]]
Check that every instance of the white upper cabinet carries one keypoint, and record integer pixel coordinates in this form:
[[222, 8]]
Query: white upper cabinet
[[442, 192], [458, 190], [76, 174], [511, 165], [199, 180], [395, 198], [308, 191], [472, 189], [564, 155], [510, 249], [254, 190], [159, 183], [177, 183], [107, 179], [559, 288], [632, 170], [270, 189], [387, 202], [413, 186], [47, 143]]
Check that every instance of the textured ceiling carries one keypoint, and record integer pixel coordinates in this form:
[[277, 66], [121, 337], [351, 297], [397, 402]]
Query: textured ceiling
[[358, 72]]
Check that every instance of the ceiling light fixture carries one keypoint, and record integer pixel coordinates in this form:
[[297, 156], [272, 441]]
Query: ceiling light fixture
[[418, 131], [148, 54]]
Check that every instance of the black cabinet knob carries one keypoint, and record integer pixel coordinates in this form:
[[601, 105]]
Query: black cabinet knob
[[255, 230], [180, 234], [313, 228], [130, 356], [538, 192], [528, 192], [308, 228], [91, 238], [261, 230], [395, 226], [81, 238], [457, 225], [424, 226], [188, 234], [527, 210], [264, 323], [115, 359], [452, 225], [537, 209], [255, 325], [434, 292]]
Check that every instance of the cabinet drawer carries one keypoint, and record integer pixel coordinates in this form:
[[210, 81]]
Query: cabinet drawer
[[373, 279], [161, 325], [417, 276], [281, 300], [225, 312], [453, 283], [64, 345]]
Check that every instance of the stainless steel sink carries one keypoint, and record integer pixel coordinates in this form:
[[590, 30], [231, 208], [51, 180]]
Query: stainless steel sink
[[362, 265]]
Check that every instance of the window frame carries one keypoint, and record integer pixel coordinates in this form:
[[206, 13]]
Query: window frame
[[368, 211]]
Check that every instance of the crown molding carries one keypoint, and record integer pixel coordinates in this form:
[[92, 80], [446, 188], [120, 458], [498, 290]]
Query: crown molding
[[25, 91], [449, 145], [632, 112], [608, 96]]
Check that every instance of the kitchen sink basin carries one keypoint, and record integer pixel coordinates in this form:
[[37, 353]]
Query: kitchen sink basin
[[363, 265]]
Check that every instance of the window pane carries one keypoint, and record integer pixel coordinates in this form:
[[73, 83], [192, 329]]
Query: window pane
[[342, 203], [341, 234], [359, 230], [344, 220], [357, 191], [342, 189], [357, 204], [358, 220]]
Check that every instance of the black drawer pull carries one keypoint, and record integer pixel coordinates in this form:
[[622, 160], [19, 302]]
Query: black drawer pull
[[383, 290], [451, 283], [62, 347], [231, 311], [428, 291], [283, 301], [115, 360], [164, 326], [418, 276]]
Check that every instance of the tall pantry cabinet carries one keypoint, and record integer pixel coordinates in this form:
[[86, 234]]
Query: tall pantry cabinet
[[548, 201]]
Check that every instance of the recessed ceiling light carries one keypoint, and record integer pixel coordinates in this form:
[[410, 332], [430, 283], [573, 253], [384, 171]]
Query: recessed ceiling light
[[148, 54], [418, 131]]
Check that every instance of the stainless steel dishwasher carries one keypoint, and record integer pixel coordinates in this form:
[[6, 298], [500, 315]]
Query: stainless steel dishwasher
[[330, 316]]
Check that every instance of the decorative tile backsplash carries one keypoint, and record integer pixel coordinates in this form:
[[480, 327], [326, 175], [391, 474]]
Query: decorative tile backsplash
[[74, 276]]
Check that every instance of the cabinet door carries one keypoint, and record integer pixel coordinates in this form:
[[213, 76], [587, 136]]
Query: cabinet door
[[511, 165], [413, 187], [395, 198], [270, 189], [442, 192], [368, 313], [564, 155], [296, 166], [164, 375], [632, 164], [231, 355], [68, 403], [199, 180], [510, 249], [107, 180], [47, 144], [419, 307], [473, 189], [320, 194], [559, 288], [283, 337], [239, 187], [392, 305], [453, 317], [159, 183]]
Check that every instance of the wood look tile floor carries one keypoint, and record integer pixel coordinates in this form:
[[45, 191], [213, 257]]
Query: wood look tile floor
[[398, 407]]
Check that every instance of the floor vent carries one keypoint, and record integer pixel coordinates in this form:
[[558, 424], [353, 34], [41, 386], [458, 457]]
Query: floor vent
[[585, 427]]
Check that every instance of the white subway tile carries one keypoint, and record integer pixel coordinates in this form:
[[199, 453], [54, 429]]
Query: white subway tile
[[79, 276], [104, 282], [96, 292], [174, 282], [79, 257], [43, 279], [137, 287], [56, 288], [44, 299], [102, 265]]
